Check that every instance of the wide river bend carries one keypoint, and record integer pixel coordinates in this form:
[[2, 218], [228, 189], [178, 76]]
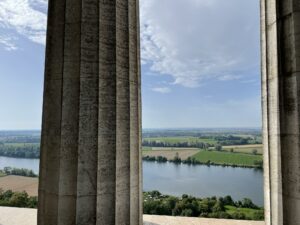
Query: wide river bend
[[196, 180]]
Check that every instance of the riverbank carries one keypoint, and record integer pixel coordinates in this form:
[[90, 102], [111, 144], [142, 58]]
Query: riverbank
[[177, 179], [205, 157], [157, 204], [6, 171]]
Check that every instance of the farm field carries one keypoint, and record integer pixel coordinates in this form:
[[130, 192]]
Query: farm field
[[169, 153], [18, 145], [244, 148], [242, 155], [146, 148], [178, 139], [227, 158], [20, 183]]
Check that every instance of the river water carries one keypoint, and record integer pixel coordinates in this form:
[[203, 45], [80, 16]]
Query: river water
[[196, 180]]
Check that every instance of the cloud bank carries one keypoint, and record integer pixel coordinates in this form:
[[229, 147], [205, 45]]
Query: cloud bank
[[25, 17], [8, 42], [163, 90], [193, 41], [197, 40]]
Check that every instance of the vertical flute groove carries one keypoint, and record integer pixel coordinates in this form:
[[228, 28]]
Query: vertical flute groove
[[281, 110], [90, 151]]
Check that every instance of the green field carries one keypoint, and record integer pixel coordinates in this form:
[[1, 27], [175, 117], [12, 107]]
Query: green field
[[181, 139], [18, 145], [249, 213], [146, 148], [227, 158]]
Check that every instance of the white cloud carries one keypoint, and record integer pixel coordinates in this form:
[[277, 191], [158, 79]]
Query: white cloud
[[8, 43], [191, 40], [198, 40], [163, 90], [229, 77], [26, 17]]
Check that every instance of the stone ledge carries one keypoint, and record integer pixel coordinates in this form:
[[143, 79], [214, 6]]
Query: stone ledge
[[172, 220], [21, 216]]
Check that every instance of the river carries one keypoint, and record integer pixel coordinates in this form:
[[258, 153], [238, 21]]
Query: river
[[196, 180]]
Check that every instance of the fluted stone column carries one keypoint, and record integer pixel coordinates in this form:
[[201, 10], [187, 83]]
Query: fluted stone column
[[280, 23], [90, 170]]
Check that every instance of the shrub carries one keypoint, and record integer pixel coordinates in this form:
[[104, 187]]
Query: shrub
[[238, 216], [187, 212], [258, 215]]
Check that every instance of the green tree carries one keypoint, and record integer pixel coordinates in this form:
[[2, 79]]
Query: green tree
[[228, 200], [177, 159], [19, 199], [254, 151], [218, 207], [187, 212], [171, 202], [247, 203], [258, 215], [218, 148], [238, 216]]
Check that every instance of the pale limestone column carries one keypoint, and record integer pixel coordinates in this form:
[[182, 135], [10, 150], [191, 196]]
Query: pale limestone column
[[90, 170], [280, 26]]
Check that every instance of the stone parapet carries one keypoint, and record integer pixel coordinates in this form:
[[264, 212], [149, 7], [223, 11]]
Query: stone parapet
[[20, 216]]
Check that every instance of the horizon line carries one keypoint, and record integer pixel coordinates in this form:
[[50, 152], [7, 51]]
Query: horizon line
[[161, 128]]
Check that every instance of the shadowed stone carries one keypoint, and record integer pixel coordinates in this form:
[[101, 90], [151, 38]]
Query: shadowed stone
[[280, 26]]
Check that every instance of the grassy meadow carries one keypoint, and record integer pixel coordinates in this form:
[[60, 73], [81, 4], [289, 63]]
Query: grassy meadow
[[248, 212], [221, 157], [20, 145]]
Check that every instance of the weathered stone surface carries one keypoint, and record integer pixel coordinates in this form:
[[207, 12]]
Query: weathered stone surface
[[20, 216], [90, 169], [280, 94]]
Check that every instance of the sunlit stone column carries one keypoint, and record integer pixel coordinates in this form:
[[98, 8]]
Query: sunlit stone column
[[90, 170], [280, 23]]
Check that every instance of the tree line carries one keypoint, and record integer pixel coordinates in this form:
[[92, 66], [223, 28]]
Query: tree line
[[258, 164], [157, 204], [26, 151], [219, 140], [18, 172], [150, 143]]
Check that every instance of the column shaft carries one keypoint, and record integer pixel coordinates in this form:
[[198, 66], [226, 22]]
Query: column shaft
[[281, 99], [90, 169]]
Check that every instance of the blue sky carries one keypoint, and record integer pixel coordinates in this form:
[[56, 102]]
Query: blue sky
[[200, 63]]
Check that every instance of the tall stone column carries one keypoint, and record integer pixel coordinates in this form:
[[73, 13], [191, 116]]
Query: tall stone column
[[90, 170], [280, 23]]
